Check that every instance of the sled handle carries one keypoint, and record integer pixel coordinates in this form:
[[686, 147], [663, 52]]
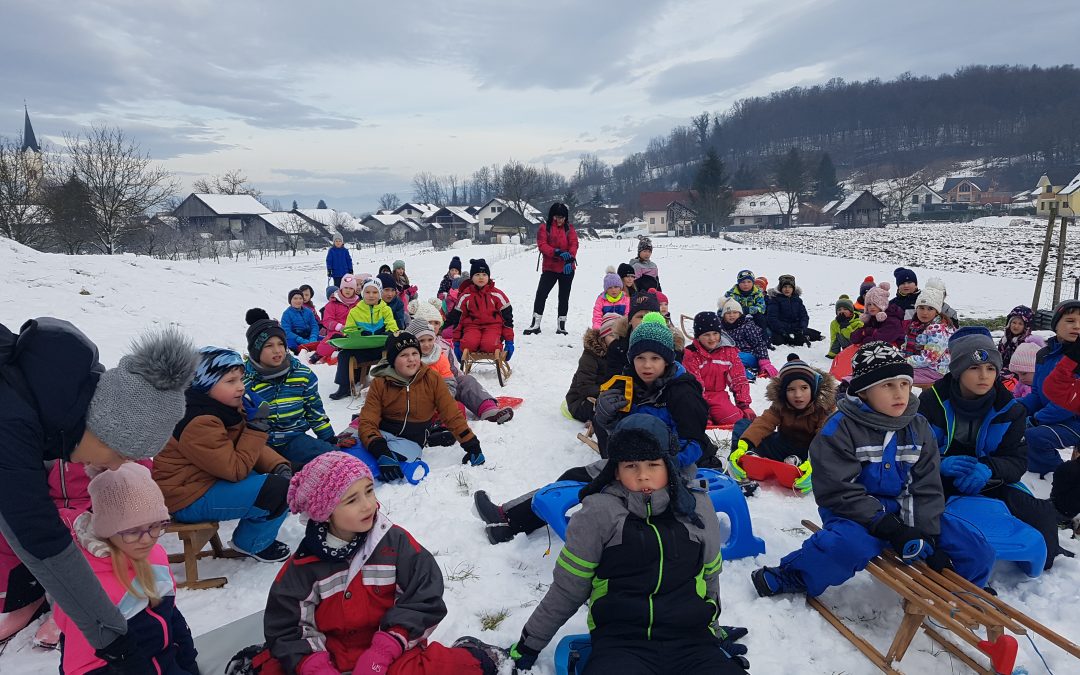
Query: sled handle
[[628, 389]]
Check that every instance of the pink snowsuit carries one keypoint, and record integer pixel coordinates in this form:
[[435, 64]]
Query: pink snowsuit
[[718, 371]]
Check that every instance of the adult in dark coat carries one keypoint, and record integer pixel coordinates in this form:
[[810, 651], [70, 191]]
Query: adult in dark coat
[[558, 244], [338, 260]]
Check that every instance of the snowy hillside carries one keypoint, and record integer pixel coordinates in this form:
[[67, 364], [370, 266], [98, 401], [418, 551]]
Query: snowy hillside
[[113, 299]]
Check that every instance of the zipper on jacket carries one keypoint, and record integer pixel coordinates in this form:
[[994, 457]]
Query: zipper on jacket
[[660, 571], [408, 405]]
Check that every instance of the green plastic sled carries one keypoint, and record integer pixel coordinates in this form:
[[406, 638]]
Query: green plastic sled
[[359, 342]]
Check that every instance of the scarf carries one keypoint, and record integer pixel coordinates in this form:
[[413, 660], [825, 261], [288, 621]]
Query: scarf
[[315, 542], [615, 298], [348, 302], [269, 373]]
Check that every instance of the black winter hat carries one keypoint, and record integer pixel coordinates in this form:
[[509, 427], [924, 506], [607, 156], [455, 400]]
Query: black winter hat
[[877, 362], [455, 264], [904, 275], [260, 329], [626, 270], [644, 301], [387, 280], [797, 369], [478, 265], [706, 322], [395, 344], [295, 291], [786, 280], [1059, 311]]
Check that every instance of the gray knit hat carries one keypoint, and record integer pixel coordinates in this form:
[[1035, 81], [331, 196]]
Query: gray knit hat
[[972, 346], [137, 403]]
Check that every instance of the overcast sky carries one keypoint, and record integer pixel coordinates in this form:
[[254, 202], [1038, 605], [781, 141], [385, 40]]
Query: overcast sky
[[348, 99]]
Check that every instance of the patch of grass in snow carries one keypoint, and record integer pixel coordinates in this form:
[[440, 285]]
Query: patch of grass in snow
[[993, 323], [463, 484], [84, 292], [463, 571], [492, 620], [799, 531]]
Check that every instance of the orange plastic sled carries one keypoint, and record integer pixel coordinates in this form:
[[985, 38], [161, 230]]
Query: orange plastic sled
[[509, 401], [761, 468], [841, 365]]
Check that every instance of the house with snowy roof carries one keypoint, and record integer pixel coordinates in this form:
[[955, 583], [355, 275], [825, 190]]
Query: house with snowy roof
[[1069, 198], [417, 210], [332, 221], [920, 199], [1048, 190], [860, 209], [493, 208], [457, 219], [223, 216], [759, 211]]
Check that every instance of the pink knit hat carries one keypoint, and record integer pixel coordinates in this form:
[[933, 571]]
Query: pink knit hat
[[316, 490], [348, 281], [123, 499], [1023, 359], [878, 296]]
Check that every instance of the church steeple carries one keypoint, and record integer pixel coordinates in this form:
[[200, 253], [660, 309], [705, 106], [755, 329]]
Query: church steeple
[[29, 139]]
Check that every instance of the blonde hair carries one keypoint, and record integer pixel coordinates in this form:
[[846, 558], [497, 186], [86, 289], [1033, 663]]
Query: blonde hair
[[144, 574]]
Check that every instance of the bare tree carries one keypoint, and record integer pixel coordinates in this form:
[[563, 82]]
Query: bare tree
[[232, 182], [122, 183], [294, 228], [521, 185], [428, 188], [20, 192], [389, 201]]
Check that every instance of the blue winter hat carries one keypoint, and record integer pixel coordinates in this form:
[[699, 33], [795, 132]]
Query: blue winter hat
[[214, 364], [744, 275], [972, 346], [904, 275]]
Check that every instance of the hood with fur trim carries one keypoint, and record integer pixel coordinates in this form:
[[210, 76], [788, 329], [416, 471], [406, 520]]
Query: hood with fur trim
[[594, 344], [797, 293], [825, 399]]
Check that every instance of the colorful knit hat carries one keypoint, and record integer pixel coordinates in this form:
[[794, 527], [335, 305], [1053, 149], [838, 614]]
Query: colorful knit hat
[[644, 244], [214, 364], [744, 275], [123, 499], [659, 295], [612, 280], [652, 335], [867, 284], [797, 369], [419, 327], [878, 296], [762, 283], [348, 281], [1022, 312], [609, 325], [876, 362], [317, 489]]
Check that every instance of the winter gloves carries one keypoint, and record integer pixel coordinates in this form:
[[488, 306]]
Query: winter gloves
[[767, 368], [968, 473], [524, 656], [955, 466], [608, 405], [909, 542], [473, 455], [390, 469], [804, 483], [284, 470], [566, 257], [747, 413], [318, 663], [384, 650], [257, 412], [734, 469], [729, 638], [508, 348]]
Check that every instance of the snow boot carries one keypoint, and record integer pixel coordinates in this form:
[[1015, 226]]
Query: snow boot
[[561, 330], [14, 621], [48, 635], [274, 553], [770, 581], [490, 411], [497, 526], [491, 658], [534, 329], [341, 393]]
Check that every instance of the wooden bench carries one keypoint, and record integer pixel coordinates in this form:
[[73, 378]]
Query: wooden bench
[[195, 537], [948, 601]]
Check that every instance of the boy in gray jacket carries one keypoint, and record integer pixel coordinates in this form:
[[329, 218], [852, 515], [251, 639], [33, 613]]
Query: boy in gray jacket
[[877, 484]]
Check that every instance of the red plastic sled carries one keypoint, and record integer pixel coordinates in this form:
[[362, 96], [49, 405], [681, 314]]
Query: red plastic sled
[[761, 468], [509, 401], [841, 365]]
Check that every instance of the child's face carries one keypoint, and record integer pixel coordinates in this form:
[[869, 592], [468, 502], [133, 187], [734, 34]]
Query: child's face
[[649, 366], [427, 343], [273, 352], [745, 285], [978, 380], [297, 300], [646, 476], [338, 243], [454, 274], [371, 295], [635, 320], [480, 279], [137, 542], [888, 398], [645, 255], [732, 316], [710, 340], [663, 308], [399, 272], [388, 294], [614, 291], [798, 394], [307, 295], [843, 313], [908, 287], [787, 290], [356, 511], [925, 314], [347, 292], [1016, 325], [873, 309], [435, 326], [1026, 378], [1068, 328], [229, 390], [407, 362], [91, 451]]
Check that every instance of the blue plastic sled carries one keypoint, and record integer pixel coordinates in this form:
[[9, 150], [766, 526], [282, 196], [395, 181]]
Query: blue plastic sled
[[1011, 538], [572, 654]]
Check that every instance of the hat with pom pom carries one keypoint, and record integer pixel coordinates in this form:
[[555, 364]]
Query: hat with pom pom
[[1023, 359], [612, 280], [903, 275], [878, 296], [260, 329], [931, 297], [730, 305], [428, 310], [652, 335], [844, 302]]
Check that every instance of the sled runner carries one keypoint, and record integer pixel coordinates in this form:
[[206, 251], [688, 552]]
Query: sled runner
[[945, 600], [496, 358], [763, 468]]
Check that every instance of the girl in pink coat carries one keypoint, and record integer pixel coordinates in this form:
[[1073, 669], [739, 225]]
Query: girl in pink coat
[[336, 313], [714, 360], [613, 300]]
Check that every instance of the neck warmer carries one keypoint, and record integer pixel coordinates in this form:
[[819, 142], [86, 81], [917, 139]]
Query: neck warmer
[[268, 373], [348, 302], [315, 542]]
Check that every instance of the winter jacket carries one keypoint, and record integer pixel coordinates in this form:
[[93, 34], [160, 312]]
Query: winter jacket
[[646, 268], [211, 443], [718, 371], [785, 315], [486, 306], [295, 404], [906, 303], [997, 440], [317, 603], [747, 336], [752, 302], [676, 398], [397, 308], [1062, 385], [797, 426], [552, 238], [161, 632], [1038, 405], [646, 573], [867, 464], [300, 326], [592, 371], [375, 319], [445, 286], [891, 330], [336, 313], [338, 262], [926, 345], [605, 304], [1008, 344], [840, 332], [48, 373], [405, 407]]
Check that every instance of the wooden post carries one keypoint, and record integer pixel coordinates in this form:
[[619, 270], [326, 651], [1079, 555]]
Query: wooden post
[[1043, 259], [1058, 281]]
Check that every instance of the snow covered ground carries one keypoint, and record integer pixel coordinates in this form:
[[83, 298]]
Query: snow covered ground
[[113, 299]]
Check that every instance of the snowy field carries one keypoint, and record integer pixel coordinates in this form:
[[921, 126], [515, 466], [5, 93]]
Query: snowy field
[[113, 299], [992, 245]]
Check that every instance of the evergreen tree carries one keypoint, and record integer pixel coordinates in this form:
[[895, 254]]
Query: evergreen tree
[[745, 178], [321, 205], [295, 205], [826, 188], [713, 200]]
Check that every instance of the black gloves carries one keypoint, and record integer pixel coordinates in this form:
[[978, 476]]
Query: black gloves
[[891, 529], [473, 455], [123, 658]]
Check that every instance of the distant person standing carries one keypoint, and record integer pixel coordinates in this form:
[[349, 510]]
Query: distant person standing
[[558, 244], [338, 261]]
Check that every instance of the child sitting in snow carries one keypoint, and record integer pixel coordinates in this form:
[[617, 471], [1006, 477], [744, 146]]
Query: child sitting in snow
[[360, 594], [907, 291], [300, 323], [1017, 329], [877, 484], [926, 339], [1050, 426], [883, 321], [714, 360], [390, 296], [845, 323], [370, 317], [403, 398], [592, 369], [216, 465], [483, 315], [613, 299], [336, 315], [646, 273], [662, 531], [753, 349], [291, 390], [786, 315], [448, 279], [752, 298], [119, 538], [802, 398], [405, 289]]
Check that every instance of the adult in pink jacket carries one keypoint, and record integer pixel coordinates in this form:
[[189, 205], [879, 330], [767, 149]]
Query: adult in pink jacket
[[558, 244]]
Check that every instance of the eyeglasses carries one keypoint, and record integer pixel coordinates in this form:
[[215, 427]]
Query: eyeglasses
[[135, 535]]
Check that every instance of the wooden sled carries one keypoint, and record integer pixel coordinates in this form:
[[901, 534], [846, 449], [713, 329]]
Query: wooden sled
[[496, 358], [195, 537], [934, 600], [358, 375]]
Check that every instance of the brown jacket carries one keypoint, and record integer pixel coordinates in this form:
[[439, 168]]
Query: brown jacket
[[211, 443], [799, 427], [405, 408]]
